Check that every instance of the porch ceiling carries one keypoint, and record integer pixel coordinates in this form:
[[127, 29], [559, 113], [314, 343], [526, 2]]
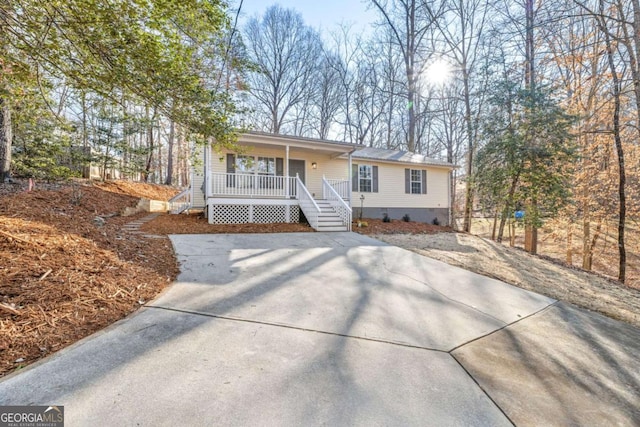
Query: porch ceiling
[[264, 140]]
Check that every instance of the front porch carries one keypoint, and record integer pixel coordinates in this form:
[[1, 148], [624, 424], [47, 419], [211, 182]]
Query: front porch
[[238, 198]]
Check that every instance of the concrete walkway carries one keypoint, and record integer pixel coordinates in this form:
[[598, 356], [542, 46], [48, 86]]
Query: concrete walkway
[[340, 329]]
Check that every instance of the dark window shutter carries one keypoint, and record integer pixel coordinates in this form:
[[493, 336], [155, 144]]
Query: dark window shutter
[[231, 168], [424, 182], [354, 177], [279, 166], [375, 179], [407, 181], [231, 163]]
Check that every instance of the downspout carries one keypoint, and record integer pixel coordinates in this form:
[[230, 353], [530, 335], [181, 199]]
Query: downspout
[[350, 175]]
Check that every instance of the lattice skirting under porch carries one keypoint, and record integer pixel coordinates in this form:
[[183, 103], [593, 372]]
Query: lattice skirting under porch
[[242, 214]]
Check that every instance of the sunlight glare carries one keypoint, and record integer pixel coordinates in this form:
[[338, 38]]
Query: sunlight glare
[[438, 73]]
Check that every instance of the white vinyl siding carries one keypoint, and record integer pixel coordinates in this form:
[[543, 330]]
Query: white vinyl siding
[[197, 179], [391, 193], [391, 178]]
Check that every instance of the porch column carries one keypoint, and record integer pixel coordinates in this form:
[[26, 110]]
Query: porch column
[[350, 174], [286, 173], [207, 172]]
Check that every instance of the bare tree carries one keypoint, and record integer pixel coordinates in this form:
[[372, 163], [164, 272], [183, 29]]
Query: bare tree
[[409, 21], [461, 26], [285, 52], [328, 93]]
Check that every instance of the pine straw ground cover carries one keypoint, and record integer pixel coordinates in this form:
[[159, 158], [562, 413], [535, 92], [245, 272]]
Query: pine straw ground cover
[[198, 224], [377, 226], [62, 275]]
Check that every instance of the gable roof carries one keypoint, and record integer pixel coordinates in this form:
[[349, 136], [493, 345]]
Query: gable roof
[[255, 137], [358, 151], [397, 156]]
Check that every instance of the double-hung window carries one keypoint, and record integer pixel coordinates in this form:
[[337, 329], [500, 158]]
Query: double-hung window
[[245, 166], [365, 178], [415, 181], [266, 165], [266, 168]]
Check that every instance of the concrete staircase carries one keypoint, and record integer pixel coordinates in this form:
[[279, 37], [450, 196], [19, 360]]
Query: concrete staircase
[[328, 219]]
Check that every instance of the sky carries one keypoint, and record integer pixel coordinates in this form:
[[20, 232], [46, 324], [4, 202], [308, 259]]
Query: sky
[[320, 14]]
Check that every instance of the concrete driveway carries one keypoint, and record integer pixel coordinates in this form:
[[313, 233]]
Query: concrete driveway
[[340, 329]]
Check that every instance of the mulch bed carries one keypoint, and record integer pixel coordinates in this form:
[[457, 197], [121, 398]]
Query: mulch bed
[[197, 224], [377, 226], [64, 273]]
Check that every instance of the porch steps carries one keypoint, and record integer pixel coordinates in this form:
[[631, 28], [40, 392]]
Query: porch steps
[[328, 219]]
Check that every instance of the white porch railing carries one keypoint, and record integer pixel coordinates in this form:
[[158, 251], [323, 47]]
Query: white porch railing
[[180, 202], [308, 206], [337, 202], [341, 186], [252, 185]]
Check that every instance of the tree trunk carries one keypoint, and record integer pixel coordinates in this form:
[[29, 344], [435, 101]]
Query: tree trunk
[[6, 140], [468, 202], [570, 244], [411, 72], [617, 89], [495, 224], [172, 133], [507, 207], [589, 245], [157, 179], [150, 146], [512, 232], [411, 140], [531, 231]]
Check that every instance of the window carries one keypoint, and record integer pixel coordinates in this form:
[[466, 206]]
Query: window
[[365, 178], [416, 181], [244, 164], [266, 165]]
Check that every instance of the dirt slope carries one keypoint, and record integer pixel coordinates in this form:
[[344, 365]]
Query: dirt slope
[[64, 273], [545, 276]]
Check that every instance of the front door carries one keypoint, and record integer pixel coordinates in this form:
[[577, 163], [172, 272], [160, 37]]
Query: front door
[[297, 167]]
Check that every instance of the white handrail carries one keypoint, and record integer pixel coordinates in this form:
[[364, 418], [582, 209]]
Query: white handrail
[[250, 185], [307, 203], [180, 202], [341, 186], [338, 203]]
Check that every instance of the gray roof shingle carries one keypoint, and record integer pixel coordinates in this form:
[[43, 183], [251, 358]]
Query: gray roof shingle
[[397, 156]]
